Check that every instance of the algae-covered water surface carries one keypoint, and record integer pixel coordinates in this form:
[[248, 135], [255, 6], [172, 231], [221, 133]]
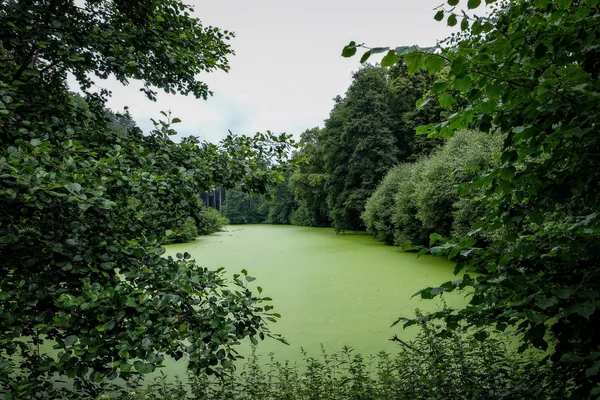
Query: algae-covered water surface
[[331, 290]]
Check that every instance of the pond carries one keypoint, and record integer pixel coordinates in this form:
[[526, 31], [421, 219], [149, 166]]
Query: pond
[[331, 290]]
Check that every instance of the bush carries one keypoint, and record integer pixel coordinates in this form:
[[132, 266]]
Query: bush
[[465, 154], [408, 227], [379, 210], [211, 221], [187, 232], [302, 216], [415, 200]]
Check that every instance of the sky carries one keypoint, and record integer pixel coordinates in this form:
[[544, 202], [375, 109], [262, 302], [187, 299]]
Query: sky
[[288, 66]]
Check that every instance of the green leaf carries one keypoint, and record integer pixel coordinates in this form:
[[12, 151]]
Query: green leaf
[[447, 101], [473, 4], [414, 61], [452, 20], [142, 367], [507, 173], [439, 15], [453, 2], [439, 87], [434, 63], [433, 238], [481, 336], [545, 302], [464, 24], [463, 84], [70, 340], [73, 187], [365, 57], [536, 217], [377, 50], [422, 102], [391, 58], [349, 50]]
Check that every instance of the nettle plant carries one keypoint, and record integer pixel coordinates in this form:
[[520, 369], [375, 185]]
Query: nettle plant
[[528, 69], [81, 267]]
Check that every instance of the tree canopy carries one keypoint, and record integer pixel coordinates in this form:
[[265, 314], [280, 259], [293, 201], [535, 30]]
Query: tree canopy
[[82, 262]]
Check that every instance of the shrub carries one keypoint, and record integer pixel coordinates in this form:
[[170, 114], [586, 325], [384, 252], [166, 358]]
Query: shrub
[[408, 227], [379, 210], [302, 216], [457, 162], [187, 232], [211, 221], [415, 200]]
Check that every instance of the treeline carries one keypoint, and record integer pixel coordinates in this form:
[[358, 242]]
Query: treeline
[[369, 131]]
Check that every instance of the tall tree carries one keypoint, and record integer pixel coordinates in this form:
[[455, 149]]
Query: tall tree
[[360, 146], [405, 90]]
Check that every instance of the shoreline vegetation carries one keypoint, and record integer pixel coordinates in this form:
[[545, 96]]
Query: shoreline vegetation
[[482, 149]]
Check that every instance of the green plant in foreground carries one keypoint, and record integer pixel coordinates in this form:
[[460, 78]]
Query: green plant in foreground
[[430, 367], [529, 69], [86, 200]]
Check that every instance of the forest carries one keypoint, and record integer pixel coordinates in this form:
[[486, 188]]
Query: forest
[[483, 150]]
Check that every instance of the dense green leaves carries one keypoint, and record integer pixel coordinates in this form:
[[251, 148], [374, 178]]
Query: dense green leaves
[[530, 70], [86, 199], [416, 199]]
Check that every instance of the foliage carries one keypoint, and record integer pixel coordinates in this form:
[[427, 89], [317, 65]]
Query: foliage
[[244, 208], [359, 147], [82, 265], [280, 207], [405, 90], [416, 200], [409, 229], [157, 43], [429, 367], [530, 70], [308, 183], [380, 207], [437, 187], [186, 232], [210, 221], [369, 131]]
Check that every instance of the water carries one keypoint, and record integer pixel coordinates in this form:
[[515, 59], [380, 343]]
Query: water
[[331, 290]]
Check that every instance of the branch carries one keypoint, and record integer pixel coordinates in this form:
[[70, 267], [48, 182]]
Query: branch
[[403, 343]]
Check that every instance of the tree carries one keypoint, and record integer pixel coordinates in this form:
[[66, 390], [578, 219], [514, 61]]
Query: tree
[[359, 147], [530, 70], [309, 182], [244, 208], [282, 204], [405, 90], [80, 267]]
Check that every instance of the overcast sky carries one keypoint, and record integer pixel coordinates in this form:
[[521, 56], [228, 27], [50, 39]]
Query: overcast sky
[[287, 67]]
